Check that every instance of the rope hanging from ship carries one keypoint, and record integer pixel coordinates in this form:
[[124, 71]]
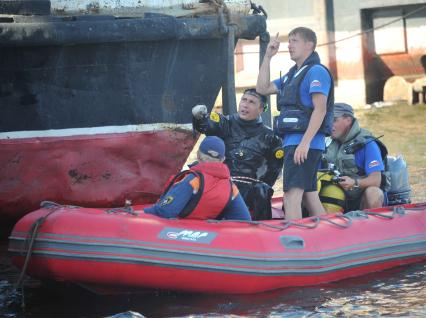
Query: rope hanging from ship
[[17, 292]]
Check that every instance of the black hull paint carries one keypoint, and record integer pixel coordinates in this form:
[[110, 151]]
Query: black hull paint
[[105, 71]]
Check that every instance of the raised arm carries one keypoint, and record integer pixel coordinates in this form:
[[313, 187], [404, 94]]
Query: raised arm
[[212, 124], [264, 86]]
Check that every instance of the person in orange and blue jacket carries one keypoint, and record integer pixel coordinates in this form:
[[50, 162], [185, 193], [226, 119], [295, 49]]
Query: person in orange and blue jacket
[[205, 191]]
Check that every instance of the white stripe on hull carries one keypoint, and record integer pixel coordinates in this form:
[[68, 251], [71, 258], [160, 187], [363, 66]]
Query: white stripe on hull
[[93, 130]]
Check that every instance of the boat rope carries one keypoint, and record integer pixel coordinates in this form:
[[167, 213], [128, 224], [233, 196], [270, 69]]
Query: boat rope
[[51, 204], [127, 208], [396, 210], [28, 248], [287, 223], [380, 215], [339, 216], [317, 219], [357, 214], [347, 218], [272, 226], [243, 179]]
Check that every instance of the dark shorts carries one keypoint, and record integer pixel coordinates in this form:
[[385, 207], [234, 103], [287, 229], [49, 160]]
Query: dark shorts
[[302, 176], [354, 204]]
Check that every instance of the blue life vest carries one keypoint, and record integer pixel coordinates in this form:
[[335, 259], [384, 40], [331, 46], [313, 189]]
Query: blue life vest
[[294, 116]]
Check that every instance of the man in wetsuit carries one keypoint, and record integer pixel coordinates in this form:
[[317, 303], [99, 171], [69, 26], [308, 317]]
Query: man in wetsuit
[[254, 153]]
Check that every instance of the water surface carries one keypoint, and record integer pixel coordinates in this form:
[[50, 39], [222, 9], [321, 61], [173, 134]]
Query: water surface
[[399, 292]]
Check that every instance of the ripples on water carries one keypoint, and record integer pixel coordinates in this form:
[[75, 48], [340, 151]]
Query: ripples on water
[[399, 292]]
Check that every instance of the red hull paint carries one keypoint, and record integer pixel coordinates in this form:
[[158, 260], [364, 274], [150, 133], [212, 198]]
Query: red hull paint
[[124, 252], [127, 277], [99, 170]]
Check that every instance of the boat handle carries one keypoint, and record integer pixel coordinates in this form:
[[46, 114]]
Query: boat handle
[[292, 242]]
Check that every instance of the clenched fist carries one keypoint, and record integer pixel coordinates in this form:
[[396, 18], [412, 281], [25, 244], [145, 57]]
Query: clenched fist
[[199, 111]]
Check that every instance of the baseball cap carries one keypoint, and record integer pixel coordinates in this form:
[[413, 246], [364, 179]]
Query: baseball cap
[[213, 146], [341, 109]]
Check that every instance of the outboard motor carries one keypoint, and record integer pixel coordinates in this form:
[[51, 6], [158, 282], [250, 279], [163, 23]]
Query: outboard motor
[[400, 190]]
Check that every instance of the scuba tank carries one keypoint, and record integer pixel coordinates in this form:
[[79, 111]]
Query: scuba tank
[[331, 195]]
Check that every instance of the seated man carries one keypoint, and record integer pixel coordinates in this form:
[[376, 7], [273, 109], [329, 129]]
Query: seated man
[[254, 153], [359, 158], [205, 191]]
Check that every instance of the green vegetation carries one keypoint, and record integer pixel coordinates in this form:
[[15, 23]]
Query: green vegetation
[[403, 127]]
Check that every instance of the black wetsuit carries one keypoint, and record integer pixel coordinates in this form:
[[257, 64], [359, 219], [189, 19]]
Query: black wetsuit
[[254, 156]]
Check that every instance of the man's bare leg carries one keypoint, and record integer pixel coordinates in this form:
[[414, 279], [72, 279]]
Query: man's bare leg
[[312, 202], [372, 198], [292, 203]]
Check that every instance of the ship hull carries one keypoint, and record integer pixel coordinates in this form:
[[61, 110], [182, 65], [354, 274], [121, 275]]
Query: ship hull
[[99, 169], [97, 102]]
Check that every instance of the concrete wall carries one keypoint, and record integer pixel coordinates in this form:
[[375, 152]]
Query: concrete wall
[[349, 59]]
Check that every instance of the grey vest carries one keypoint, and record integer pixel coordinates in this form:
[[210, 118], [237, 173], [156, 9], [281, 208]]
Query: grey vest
[[345, 163]]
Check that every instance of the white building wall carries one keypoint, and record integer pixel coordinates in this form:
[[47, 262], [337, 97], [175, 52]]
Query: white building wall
[[285, 15]]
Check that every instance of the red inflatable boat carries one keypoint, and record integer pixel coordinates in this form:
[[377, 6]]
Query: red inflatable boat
[[125, 249]]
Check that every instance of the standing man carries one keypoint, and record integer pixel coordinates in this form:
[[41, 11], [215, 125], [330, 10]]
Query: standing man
[[305, 102], [359, 158], [254, 153]]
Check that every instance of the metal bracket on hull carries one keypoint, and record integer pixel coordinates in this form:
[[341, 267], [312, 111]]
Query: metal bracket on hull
[[399, 210], [358, 214]]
